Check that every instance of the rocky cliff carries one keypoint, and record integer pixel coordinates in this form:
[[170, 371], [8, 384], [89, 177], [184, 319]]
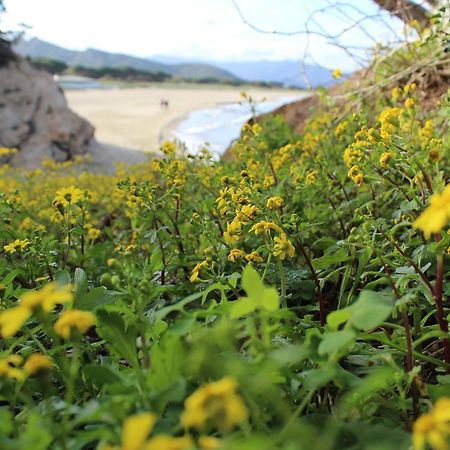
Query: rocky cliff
[[35, 118]]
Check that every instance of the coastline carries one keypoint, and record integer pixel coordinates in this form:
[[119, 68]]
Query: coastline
[[131, 118]]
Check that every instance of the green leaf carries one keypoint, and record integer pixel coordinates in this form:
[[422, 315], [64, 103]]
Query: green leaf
[[96, 298], [10, 277], [63, 278], [119, 338], [100, 375], [370, 310], [179, 306], [336, 340], [242, 307], [80, 281], [326, 261], [337, 318], [35, 435], [263, 296]]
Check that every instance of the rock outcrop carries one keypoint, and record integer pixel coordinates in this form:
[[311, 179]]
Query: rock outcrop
[[35, 118]]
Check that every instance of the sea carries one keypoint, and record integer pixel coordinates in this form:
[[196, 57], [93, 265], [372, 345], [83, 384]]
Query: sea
[[216, 128]]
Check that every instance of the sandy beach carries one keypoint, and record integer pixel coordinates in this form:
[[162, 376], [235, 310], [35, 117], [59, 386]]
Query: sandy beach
[[132, 117]]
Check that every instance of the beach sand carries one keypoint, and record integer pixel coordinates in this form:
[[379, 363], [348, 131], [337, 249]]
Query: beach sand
[[131, 118]]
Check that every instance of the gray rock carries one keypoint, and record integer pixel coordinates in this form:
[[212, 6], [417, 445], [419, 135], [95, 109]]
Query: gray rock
[[35, 118]]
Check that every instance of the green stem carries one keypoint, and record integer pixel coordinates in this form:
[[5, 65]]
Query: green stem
[[283, 283]]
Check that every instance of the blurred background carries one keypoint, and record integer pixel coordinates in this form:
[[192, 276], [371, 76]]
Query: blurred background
[[115, 79]]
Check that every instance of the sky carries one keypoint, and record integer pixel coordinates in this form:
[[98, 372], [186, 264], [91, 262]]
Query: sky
[[207, 30]]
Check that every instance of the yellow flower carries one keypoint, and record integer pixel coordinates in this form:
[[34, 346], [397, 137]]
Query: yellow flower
[[246, 213], [265, 227], [12, 320], [37, 362], [283, 247], [311, 176], [18, 244], [216, 404], [166, 442], [233, 232], [359, 179], [353, 171], [269, 181], [351, 156], [208, 443], [254, 256], [433, 427], [409, 103], [389, 121], [68, 196], [196, 271], [136, 430], [395, 94], [384, 159], [74, 319], [235, 254], [337, 73], [436, 216], [275, 202], [9, 367], [46, 298]]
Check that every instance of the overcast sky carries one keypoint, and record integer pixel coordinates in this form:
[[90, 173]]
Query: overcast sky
[[201, 29]]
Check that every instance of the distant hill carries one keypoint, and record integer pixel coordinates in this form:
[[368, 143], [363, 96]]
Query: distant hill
[[285, 72], [288, 73], [35, 48]]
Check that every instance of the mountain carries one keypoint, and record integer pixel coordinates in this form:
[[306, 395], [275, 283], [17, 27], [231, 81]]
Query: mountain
[[35, 48], [286, 72]]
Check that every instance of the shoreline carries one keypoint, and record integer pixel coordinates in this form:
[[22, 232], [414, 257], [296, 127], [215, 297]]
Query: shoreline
[[132, 117]]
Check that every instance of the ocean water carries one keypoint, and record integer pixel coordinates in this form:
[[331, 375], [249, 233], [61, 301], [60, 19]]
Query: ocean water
[[215, 128]]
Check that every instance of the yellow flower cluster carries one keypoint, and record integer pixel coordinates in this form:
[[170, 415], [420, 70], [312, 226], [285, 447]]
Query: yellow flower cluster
[[389, 121], [45, 299], [433, 427], [384, 159], [135, 436], [352, 155], [356, 175], [437, 215], [274, 202], [10, 366], [265, 227], [17, 245], [7, 151], [236, 254], [311, 177]]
